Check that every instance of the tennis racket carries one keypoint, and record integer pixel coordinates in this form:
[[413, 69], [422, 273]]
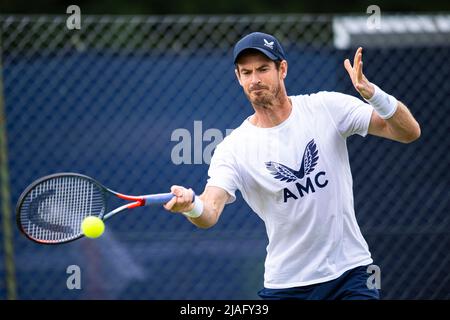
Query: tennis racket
[[52, 208]]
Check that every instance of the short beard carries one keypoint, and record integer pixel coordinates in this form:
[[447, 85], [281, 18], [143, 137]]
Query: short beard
[[266, 101]]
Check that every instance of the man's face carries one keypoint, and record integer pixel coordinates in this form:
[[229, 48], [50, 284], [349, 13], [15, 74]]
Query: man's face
[[260, 78]]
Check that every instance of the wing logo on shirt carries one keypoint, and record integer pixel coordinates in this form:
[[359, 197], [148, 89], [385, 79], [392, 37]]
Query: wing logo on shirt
[[309, 162]]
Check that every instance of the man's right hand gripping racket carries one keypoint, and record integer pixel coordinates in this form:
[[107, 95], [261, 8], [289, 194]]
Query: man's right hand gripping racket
[[52, 208]]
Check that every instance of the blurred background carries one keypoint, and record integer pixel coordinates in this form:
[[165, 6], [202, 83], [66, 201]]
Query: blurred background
[[139, 95]]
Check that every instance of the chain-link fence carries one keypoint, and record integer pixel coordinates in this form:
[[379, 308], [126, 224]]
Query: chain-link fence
[[139, 104]]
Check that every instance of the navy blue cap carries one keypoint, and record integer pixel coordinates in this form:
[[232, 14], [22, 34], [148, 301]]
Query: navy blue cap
[[262, 42]]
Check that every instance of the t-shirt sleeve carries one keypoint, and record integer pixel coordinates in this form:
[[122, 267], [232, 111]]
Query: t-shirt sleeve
[[350, 115], [222, 171]]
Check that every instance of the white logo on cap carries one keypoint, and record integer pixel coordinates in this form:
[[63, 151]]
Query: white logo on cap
[[268, 44]]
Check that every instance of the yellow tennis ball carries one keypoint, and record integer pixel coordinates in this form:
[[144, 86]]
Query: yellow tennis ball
[[92, 227]]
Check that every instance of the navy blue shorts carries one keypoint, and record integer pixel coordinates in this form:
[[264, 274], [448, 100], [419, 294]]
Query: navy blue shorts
[[352, 285]]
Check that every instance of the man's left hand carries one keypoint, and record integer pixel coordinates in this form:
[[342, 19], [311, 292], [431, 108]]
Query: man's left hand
[[360, 82]]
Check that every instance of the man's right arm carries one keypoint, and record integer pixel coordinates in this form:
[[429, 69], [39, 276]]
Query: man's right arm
[[213, 198]]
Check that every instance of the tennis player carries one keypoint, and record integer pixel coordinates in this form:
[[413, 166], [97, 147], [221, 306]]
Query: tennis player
[[289, 160]]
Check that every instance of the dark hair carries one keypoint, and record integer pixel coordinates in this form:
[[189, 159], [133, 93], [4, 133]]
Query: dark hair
[[277, 64]]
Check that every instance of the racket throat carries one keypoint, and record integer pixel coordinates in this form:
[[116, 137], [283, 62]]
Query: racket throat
[[139, 203]]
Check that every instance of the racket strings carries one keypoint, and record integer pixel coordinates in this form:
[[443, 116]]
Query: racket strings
[[54, 209]]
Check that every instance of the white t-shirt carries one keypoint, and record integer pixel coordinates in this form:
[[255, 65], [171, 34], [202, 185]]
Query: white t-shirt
[[296, 176]]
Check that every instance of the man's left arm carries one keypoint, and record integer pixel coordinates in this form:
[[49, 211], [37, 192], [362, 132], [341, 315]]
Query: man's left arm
[[391, 119]]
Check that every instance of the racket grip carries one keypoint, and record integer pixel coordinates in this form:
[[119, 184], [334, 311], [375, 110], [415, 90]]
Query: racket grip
[[159, 198]]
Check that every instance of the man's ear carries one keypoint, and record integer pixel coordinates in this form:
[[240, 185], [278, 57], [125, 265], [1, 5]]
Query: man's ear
[[284, 68], [238, 76]]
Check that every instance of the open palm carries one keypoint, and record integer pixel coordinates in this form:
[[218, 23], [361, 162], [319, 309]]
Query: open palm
[[360, 82]]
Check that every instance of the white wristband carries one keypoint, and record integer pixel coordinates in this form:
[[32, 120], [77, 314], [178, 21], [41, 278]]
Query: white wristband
[[197, 210], [384, 104]]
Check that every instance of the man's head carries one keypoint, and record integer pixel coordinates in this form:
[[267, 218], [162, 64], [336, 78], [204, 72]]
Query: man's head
[[261, 67], [262, 42]]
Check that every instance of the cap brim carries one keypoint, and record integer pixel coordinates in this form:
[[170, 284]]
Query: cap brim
[[267, 53]]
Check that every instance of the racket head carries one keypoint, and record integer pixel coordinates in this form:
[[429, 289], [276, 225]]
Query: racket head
[[51, 209]]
